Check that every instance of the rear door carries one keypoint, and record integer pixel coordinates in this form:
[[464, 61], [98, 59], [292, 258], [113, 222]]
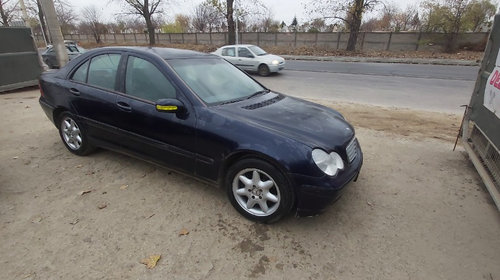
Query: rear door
[[167, 138], [92, 89], [229, 53]]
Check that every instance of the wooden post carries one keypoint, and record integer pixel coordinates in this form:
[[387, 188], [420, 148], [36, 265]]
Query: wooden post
[[210, 35], [295, 42], [169, 38], [276, 38], [182, 35], [258, 38], [135, 38], [316, 40]]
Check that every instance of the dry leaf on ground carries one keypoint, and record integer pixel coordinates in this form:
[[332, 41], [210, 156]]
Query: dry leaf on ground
[[102, 206], [123, 187], [184, 231], [151, 261], [85, 192]]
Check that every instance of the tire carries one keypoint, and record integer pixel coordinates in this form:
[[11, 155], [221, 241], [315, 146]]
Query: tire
[[73, 135], [264, 70], [258, 190]]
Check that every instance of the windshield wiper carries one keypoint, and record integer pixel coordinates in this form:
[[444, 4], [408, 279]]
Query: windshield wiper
[[258, 93]]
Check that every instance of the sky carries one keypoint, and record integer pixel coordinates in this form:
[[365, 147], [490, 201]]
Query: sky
[[282, 10]]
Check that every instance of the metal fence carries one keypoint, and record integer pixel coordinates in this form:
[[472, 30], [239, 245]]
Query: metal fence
[[390, 41], [20, 65], [481, 128]]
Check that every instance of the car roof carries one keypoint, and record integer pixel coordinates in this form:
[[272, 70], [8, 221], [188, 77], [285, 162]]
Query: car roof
[[239, 45], [165, 53]]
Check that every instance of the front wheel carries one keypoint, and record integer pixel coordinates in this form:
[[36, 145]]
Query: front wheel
[[73, 135], [264, 70], [259, 191]]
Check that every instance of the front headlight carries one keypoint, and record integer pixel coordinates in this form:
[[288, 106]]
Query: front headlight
[[275, 62], [328, 163]]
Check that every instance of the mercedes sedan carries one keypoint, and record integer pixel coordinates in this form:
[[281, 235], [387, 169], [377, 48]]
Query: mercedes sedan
[[200, 115]]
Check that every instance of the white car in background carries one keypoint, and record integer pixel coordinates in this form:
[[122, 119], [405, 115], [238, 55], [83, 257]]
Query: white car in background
[[252, 59]]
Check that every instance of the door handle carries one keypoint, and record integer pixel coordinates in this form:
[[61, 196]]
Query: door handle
[[74, 91], [124, 106]]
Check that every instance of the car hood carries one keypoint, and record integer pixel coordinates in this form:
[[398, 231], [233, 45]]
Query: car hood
[[270, 57], [312, 124]]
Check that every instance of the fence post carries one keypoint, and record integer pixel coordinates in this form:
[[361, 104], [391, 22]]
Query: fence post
[[114, 36], [363, 40], [225, 37], [276, 38], [389, 42], [258, 38], [339, 34], [210, 35], [182, 35], [135, 38], [418, 40], [196, 38], [316, 40], [295, 41], [169, 38], [157, 38]]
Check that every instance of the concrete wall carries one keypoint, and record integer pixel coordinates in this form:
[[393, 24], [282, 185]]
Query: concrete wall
[[397, 41]]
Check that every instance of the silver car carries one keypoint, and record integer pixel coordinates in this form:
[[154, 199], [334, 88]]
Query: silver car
[[252, 59]]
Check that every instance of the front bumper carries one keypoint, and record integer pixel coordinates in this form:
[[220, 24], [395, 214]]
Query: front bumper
[[315, 193], [275, 68]]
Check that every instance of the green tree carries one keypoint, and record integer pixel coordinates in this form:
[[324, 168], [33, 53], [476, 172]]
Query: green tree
[[455, 16], [479, 15]]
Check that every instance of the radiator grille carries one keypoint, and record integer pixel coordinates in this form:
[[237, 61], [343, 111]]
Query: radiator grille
[[352, 149]]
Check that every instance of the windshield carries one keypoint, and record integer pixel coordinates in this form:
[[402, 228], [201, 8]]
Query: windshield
[[215, 80], [257, 51]]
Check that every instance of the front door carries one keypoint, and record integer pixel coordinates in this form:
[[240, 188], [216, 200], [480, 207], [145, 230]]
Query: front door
[[163, 137]]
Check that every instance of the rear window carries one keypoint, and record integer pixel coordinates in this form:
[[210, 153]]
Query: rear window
[[102, 71]]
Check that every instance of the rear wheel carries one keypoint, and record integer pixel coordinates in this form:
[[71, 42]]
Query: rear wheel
[[258, 190], [264, 70], [73, 135]]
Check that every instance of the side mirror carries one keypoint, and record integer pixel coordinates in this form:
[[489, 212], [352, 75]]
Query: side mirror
[[170, 105]]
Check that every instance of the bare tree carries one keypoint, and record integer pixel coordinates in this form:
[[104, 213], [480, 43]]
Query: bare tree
[[225, 8], [92, 21], [206, 17], [8, 10], [145, 9], [65, 16], [349, 11]]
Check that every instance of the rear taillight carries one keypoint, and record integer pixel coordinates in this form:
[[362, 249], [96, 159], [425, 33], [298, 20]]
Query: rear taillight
[[41, 89]]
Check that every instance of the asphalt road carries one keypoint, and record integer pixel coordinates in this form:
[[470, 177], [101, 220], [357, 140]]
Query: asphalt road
[[422, 87]]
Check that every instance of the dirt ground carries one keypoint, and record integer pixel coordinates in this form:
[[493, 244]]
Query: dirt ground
[[418, 211]]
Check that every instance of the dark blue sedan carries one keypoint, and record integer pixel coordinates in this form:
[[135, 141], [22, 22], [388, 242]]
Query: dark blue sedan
[[200, 115]]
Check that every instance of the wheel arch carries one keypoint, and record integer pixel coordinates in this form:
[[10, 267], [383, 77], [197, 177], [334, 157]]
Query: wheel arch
[[243, 154]]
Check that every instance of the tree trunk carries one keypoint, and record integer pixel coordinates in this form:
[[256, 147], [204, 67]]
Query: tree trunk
[[151, 30], [41, 17], [354, 26], [5, 18], [231, 36]]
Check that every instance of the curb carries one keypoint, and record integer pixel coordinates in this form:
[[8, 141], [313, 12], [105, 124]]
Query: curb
[[434, 61]]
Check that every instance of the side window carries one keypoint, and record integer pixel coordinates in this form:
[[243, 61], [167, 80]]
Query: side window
[[244, 52], [145, 81], [80, 74], [102, 71], [228, 52]]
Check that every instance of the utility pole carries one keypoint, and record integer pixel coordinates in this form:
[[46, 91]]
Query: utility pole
[[236, 12], [55, 31]]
